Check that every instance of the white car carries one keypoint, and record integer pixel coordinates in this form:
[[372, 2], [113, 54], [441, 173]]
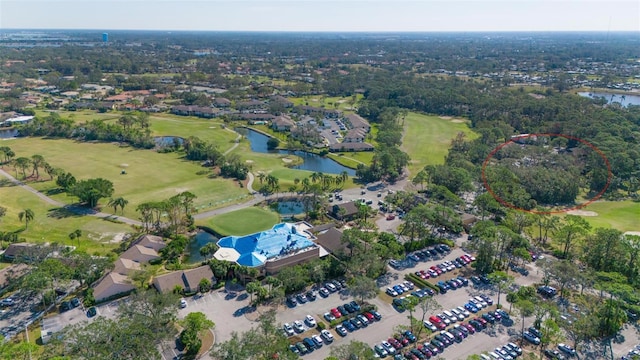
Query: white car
[[329, 317], [391, 292], [430, 326], [183, 303], [457, 314], [464, 311], [310, 321], [298, 326], [288, 329], [390, 349], [317, 340], [326, 335]]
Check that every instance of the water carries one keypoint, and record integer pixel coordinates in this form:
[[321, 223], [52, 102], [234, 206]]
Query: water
[[290, 208], [8, 133], [201, 239], [165, 141], [311, 162], [611, 98]]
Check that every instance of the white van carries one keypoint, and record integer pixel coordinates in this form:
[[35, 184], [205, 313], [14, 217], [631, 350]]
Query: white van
[[485, 357], [495, 356], [448, 335], [451, 317]]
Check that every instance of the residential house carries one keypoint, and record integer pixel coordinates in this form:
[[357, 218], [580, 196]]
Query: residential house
[[282, 123], [187, 280], [282, 101], [111, 286], [255, 118], [251, 105], [356, 121], [311, 110], [350, 146], [222, 102], [357, 135], [17, 250]]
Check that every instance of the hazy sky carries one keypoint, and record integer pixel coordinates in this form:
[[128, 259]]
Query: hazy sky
[[324, 15]]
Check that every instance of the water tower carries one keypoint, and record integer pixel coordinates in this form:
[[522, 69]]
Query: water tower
[[105, 37]]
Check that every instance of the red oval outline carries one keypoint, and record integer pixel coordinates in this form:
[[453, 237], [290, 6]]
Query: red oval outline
[[524, 136]]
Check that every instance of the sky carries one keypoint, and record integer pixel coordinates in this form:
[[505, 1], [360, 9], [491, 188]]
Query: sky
[[323, 15]]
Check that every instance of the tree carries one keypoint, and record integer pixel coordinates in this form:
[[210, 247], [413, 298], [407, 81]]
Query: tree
[[153, 310], [573, 228], [208, 250], [121, 202], [420, 178], [526, 308], [23, 163], [253, 288], [502, 281], [28, 215], [273, 143], [92, 190], [75, 235], [3, 211], [565, 273], [353, 350], [194, 323], [66, 181], [363, 287]]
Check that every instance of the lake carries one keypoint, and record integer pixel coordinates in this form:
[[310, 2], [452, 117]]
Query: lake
[[311, 162], [611, 98], [165, 141], [8, 133], [201, 239]]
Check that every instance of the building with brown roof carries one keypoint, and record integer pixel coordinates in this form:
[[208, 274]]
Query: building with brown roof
[[356, 121], [282, 123], [17, 250], [187, 280], [350, 146], [331, 240], [111, 286], [349, 212], [356, 135]]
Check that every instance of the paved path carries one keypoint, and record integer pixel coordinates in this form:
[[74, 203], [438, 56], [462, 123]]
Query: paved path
[[235, 145], [75, 209]]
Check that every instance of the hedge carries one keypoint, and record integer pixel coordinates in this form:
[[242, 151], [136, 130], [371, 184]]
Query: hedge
[[421, 282]]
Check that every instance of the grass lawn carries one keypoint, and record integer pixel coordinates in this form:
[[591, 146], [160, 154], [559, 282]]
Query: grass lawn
[[80, 115], [621, 215], [352, 159], [427, 139], [243, 222], [327, 102], [185, 126], [53, 225], [150, 176]]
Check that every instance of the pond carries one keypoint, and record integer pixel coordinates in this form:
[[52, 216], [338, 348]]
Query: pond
[[290, 207], [311, 162], [623, 99], [165, 141], [201, 239], [8, 133]]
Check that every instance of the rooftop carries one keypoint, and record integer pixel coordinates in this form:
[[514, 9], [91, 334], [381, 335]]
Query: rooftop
[[256, 249]]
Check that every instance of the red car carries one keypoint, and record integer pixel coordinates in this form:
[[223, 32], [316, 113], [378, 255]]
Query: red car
[[335, 312], [369, 316], [395, 343], [391, 217], [437, 322], [436, 269], [402, 340], [481, 320], [469, 327]]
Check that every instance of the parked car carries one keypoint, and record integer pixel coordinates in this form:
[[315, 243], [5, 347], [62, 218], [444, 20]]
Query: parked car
[[376, 315], [380, 350], [183, 303], [335, 312], [309, 344], [288, 329], [531, 338], [311, 296], [7, 302], [553, 354], [329, 317], [297, 325], [302, 298], [310, 321], [291, 301], [349, 326], [514, 347], [341, 330], [323, 292], [317, 341], [567, 349], [327, 336], [302, 348], [92, 312]]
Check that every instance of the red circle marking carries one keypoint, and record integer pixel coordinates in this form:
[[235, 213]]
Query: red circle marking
[[524, 136]]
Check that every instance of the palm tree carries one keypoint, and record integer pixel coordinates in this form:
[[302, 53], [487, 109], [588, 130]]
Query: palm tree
[[261, 177], [306, 184], [316, 176], [27, 215], [122, 202], [344, 176], [112, 203], [37, 161], [51, 171], [22, 163]]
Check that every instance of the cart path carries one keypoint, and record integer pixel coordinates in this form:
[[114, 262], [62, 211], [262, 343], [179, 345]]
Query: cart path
[[73, 208]]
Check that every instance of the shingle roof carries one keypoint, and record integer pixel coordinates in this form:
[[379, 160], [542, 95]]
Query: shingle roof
[[186, 279]]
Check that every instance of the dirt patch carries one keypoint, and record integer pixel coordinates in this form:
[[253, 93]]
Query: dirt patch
[[287, 160], [632, 233], [582, 213], [445, 117], [457, 121], [207, 338], [249, 161]]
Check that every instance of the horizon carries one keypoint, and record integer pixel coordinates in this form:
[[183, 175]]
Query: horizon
[[330, 16]]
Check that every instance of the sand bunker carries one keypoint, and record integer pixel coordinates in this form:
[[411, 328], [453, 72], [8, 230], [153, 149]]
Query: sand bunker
[[582, 213], [124, 165], [632, 233], [287, 160], [249, 161]]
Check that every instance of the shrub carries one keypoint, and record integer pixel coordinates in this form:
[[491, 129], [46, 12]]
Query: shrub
[[321, 325]]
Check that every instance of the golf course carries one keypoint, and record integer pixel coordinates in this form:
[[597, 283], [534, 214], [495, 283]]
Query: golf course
[[427, 138]]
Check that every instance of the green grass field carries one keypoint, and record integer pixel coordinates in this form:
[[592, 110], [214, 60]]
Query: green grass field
[[53, 225], [621, 215], [151, 176], [343, 103], [242, 222], [427, 139]]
